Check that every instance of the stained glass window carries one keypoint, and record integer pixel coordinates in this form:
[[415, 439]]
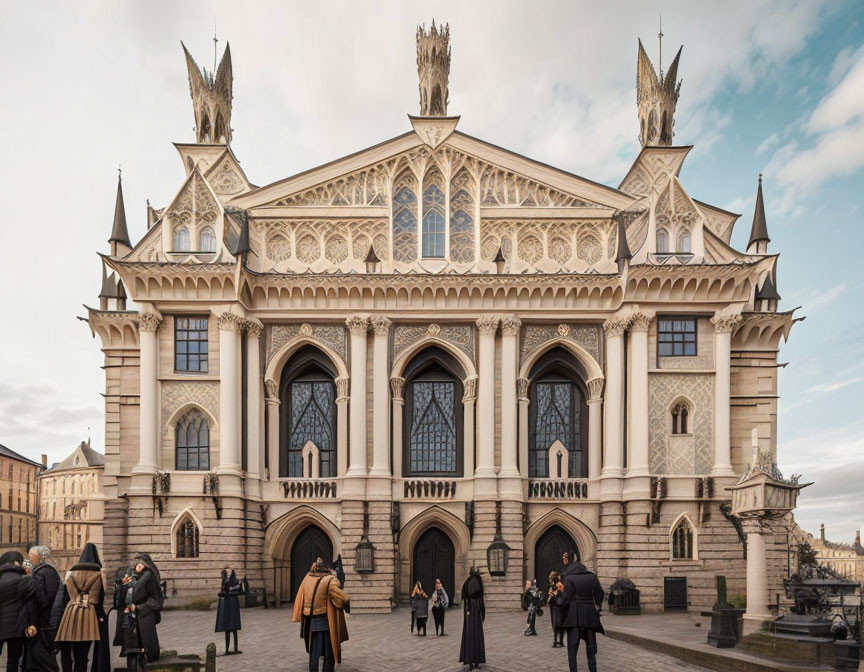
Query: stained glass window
[[432, 436], [676, 338], [312, 418], [682, 541], [193, 442], [462, 218], [556, 418], [433, 218], [187, 539], [405, 219], [190, 344]]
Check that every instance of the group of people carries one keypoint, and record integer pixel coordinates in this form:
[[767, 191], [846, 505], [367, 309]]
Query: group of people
[[42, 615], [421, 604], [574, 598]]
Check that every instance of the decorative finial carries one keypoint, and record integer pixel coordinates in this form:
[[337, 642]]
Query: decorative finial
[[660, 39], [433, 69], [215, 42], [119, 172], [760, 179]]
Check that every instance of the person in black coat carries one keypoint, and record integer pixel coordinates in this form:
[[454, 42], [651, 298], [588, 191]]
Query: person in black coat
[[142, 615], [228, 610], [555, 610], [37, 592], [472, 651], [122, 586], [580, 598], [12, 572]]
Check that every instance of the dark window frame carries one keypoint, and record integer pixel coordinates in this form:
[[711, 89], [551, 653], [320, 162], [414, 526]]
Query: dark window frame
[[558, 365], [192, 415], [188, 532], [434, 364], [673, 333], [202, 344]]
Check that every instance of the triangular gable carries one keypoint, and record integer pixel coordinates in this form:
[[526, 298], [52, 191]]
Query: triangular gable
[[653, 168], [720, 222], [204, 156], [226, 177]]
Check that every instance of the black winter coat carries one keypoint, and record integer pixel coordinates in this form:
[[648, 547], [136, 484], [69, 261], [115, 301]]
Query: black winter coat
[[37, 592], [228, 609], [473, 648], [581, 600], [147, 598], [10, 602]]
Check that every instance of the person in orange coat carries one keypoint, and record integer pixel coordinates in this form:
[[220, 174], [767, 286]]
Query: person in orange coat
[[320, 607]]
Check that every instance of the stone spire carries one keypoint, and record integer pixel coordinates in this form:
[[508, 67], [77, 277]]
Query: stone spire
[[211, 98], [119, 240], [759, 231], [433, 68], [656, 98]]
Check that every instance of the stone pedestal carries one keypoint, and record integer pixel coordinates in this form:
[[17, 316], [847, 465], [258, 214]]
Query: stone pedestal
[[725, 627]]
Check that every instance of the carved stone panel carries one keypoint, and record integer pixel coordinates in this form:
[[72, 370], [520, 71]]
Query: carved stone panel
[[688, 453], [178, 393], [331, 335], [460, 336], [585, 335]]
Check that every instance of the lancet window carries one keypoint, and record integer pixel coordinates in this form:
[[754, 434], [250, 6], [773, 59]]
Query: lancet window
[[181, 239], [462, 218], [662, 242], [682, 541], [681, 418], [405, 218], [684, 242], [434, 221], [187, 538], [207, 240], [193, 442]]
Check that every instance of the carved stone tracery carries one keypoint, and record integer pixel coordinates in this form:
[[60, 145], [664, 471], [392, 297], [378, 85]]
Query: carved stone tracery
[[585, 335], [461, 336], [675, 453], [331, 335]]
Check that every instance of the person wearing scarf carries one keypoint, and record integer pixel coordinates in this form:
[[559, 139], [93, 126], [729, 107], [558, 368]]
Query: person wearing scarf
[[419, 609], [83, 623]]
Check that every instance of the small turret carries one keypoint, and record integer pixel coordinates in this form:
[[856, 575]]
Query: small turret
[[433, 68], [119, 240], [211, 98], [759, 231], [822, 531], [112, 295], [656, 98]]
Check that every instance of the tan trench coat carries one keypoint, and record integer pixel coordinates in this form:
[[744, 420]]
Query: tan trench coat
[[80, 622], [329, 598]]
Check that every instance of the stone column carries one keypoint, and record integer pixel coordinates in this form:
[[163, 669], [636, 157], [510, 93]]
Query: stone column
[[595, 428], [638, 404], [148, 430], [342, 401], [396, 385], [522, 396], [358, 326], [380, 399], [757, 575], [614, 406], [509, 410], [469, 401], [724, 325], [229, 393], [487, 326], [272, 402], [254, 408]]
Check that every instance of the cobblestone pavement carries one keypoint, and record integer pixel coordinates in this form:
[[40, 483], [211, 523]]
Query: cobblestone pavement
[[383, 642]]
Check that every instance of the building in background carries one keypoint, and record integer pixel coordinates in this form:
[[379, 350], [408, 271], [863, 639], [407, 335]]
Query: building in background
[[71, 505], [18, 501], [434, 354], [845, 559]]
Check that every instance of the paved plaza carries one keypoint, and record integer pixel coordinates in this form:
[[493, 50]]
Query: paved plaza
[[270, 641]]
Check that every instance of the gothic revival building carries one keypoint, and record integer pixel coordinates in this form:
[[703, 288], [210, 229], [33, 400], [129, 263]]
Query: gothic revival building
[[432, 354]]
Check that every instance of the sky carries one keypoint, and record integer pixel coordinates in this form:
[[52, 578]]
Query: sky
[[768, 86]]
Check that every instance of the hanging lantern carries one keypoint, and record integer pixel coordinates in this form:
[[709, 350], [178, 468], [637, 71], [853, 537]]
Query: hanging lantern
[[373, 263], [364, 562], [498, 556], [499, 261]]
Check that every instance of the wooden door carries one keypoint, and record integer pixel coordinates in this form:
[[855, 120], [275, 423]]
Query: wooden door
[[309, 545], [548, 554], [434, 558]]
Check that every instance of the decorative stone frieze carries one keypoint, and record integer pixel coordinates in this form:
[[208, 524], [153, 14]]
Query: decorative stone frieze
[[681, 454], [176, 394], [459, 335], [586, 336], [332, 336]]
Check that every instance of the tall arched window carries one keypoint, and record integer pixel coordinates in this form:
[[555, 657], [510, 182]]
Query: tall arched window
[[662, 242], [433, 415], [181, 239], [405, 217], [308, 413], [684, 241], [462, 218], [681, 418], [193, 442], [433, 216], [187, 538], [557, 412], [207, 240], [682, 541]]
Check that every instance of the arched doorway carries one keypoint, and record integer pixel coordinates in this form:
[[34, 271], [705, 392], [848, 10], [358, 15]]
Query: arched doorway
[[434, 558], [309, 545], [548, 551]]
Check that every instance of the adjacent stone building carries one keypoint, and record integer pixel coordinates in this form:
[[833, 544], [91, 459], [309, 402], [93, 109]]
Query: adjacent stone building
[[71, 505], [17, 501], [845, 559], [436, 353]]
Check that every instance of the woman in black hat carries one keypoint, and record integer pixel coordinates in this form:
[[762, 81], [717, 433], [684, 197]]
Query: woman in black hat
[[473, 649], [228, 611], [142, 614]]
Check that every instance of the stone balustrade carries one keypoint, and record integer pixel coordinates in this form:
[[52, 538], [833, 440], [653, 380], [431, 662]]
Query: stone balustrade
[[558, 489], [429, 489], [309, 488]]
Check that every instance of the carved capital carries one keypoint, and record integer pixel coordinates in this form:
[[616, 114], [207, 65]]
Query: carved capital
[[229, 322], [640, 322], [272, 389], [755, 526], [725, 323], [149, 321], [396, 384], [614, 326], [380, 325], [357, 325], [343, 387], [253, 328], [510, 325], [595, 389], [522, 389], [488, 324], [470, 386]]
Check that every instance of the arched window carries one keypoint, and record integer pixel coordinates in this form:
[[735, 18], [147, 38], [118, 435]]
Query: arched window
[[207, 240], [557, 412], [193, 442], [684, 241], [681, 418], [662, 242], [308, 413], [462, 218], [187, 539], [433, 415], [405, 218], [181, 239], [433, 216], [682, 541]]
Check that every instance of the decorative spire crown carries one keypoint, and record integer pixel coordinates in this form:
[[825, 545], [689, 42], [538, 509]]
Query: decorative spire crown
[[211, 98], [759, 231], [119, 230], [656, 98], [433, 69]]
